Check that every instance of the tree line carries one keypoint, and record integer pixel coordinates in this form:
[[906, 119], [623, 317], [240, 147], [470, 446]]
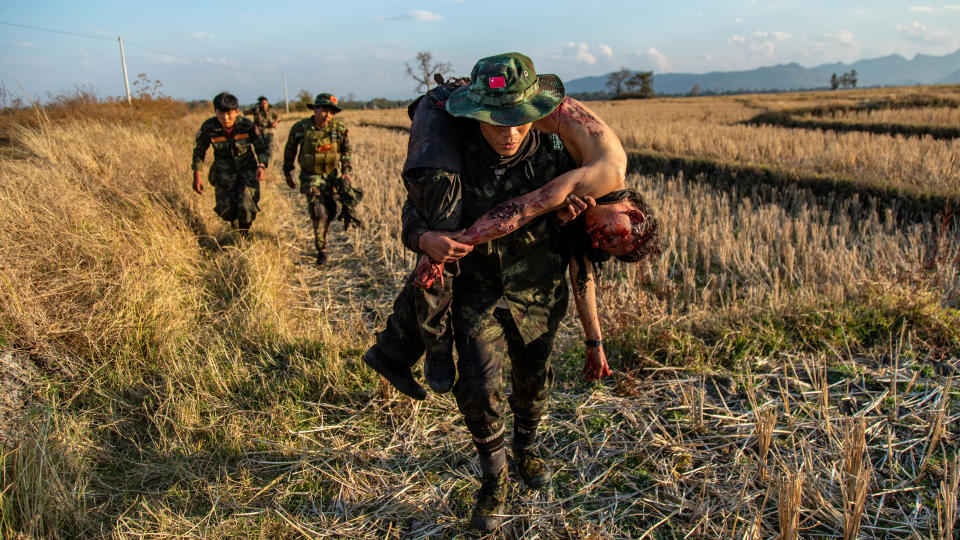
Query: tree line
[[847, 80], [624, 84]]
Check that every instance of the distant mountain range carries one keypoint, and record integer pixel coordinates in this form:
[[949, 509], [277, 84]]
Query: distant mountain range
[[893, 70]]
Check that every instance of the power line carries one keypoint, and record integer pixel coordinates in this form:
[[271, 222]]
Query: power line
[[204, 62], [142, 46], [91, 36]]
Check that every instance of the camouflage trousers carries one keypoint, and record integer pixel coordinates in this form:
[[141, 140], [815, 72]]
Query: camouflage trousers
[[483, 345], [419, 322], [237, 195], [436, 195], [321, 205], [266, 141], [328, 197]]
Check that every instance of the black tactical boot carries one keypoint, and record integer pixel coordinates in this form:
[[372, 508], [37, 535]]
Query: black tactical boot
[[488, 512], [533, 470], [321, 257], [439, 370], [243, 228], [401, 378]]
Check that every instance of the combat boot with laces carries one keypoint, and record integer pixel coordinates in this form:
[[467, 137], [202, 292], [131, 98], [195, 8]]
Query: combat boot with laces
[[488, 511], [533, 470]]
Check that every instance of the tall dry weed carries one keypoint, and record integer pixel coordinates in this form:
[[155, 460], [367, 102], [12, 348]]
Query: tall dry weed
[[855, 476]]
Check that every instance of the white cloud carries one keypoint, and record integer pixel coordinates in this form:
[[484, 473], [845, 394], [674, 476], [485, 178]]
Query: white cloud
[[422, 15], [167, 59], [220, 61], [200, 35], [843, 37], [606, 51], [921, 33], [577, 52], [657, 58], [25, 45], [764, 48], [738, 20], [859, 11], [412, 15], [760, 42], [931, 9], [582, 53], [706, 56]]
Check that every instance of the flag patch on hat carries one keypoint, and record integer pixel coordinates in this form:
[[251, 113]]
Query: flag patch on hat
[[333, 100], [498, 82]]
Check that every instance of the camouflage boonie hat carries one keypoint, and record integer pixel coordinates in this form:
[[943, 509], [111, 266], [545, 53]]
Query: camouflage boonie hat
[[325, 100], [506, 91]]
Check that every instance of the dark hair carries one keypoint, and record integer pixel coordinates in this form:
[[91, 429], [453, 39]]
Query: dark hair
[[646, 231], [262, 98], [225, 101]]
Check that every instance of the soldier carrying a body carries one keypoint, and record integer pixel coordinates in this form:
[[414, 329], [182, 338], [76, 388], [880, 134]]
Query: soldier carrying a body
[[266, 120], [324, 158], [510, 294], [236, 171]]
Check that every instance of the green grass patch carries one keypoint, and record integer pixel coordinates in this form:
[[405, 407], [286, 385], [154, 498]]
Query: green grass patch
[[788, 120], [736, 341]]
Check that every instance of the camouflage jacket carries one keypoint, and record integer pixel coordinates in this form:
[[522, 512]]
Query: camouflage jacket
[[263, 119], [526, 267], [322, 149], [232, 152]]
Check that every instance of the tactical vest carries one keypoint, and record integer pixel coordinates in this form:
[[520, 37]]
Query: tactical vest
[[320, 149]]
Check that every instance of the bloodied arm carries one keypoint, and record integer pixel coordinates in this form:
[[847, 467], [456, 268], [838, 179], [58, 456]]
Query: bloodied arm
[[591, 143], [585, 296]]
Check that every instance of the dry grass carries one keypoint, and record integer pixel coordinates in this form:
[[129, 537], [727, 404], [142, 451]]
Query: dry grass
[[193, 385], [712, 128]]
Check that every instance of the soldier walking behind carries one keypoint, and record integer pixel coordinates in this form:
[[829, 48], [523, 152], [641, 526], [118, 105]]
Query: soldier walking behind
[[236, 171], [266, 120], [324, 159]]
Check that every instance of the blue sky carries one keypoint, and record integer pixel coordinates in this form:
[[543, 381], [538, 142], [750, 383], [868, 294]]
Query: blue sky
[[195, 49]]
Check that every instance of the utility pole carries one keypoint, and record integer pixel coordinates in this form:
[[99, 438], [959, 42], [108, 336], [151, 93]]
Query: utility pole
[[126, 81], [286, 102]]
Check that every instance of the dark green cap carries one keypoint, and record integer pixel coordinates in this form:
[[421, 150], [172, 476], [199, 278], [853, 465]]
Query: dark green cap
[[506, 91], [325, 100]]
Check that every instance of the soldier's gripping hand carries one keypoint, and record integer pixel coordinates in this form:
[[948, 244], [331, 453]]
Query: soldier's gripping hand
[[288, 177], [197, 184], [442, 247], [261, 173]]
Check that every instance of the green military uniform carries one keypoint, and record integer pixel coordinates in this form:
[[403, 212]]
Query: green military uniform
[[524, 272], [264, 120], [234, 170], [530, 275], [510, 294], [324, 159]]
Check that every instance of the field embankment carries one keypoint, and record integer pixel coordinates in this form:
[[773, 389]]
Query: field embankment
[[787, 359]]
